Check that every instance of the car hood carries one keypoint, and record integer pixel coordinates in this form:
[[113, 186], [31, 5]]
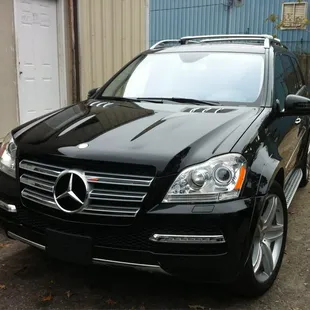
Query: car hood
[[167, 137]]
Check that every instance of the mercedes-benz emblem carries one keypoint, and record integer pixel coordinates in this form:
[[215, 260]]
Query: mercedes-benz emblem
[[71, 191]]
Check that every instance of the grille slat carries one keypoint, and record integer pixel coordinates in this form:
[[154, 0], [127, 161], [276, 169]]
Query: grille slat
[[117, 196], [37, 183], [118, 179], [38, 198], [112, 211], [38, 180], [41, 168]]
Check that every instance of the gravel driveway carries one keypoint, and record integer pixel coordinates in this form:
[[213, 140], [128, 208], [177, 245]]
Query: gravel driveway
[[30, 280]]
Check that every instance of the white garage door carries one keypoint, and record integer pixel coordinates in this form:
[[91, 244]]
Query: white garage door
[[37, 57]]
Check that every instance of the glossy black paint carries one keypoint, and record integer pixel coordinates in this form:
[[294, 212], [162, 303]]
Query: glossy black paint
[[274, 145], [161, 140], [214, 263], [161, 136]]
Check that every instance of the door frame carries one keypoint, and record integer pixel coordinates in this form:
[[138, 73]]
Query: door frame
[[61, 22], [147, 24]]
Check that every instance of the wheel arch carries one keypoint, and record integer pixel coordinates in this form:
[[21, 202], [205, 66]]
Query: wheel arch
[[261, 178], [279, 177], [271, 171], [270, 174]]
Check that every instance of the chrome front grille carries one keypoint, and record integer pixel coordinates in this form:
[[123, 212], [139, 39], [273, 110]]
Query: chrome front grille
[[119, 195]]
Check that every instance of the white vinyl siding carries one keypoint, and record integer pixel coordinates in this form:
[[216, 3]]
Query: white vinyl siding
[[111, 33]]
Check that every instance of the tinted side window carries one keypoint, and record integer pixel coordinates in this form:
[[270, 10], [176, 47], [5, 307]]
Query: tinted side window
[[281, 89], [299, 73], [290, 76]]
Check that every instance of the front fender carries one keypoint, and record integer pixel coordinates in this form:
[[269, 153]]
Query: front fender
[[261, 177], [263, 168], [271, 171]]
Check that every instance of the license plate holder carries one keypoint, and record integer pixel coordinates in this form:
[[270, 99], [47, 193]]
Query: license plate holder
[[68, 247]]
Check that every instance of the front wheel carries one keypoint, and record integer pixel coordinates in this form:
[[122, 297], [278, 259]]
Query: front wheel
[[268, 246]]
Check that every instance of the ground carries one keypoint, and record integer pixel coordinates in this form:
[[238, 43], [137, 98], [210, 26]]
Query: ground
[[30, 280]]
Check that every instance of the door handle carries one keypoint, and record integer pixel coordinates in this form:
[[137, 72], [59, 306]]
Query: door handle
[[298, 120]]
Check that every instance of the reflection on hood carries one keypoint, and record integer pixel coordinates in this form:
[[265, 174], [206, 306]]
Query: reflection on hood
[[81, 122]]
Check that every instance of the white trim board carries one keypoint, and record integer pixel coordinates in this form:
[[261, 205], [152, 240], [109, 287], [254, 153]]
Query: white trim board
[[147, 23], [62, 56]]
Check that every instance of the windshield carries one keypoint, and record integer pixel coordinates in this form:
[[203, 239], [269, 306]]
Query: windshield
[[219, 77]]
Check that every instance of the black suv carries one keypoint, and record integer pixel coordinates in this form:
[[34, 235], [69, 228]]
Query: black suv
[[184, 162]]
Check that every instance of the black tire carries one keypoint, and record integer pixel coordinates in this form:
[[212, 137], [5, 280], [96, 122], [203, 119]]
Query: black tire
[[305, 177], [247, 284]]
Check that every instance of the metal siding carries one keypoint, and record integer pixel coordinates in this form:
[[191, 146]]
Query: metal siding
[[176, 18], [251, 18], [111, 33]]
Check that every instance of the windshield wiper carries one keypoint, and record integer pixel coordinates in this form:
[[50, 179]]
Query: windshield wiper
[[161, 100], [184, 100], [119, 98], [155, 100], [193, 101]]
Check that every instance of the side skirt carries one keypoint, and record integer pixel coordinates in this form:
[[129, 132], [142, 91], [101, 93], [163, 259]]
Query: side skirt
[[291, 185]]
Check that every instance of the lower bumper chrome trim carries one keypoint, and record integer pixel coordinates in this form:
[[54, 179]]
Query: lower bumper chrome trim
[[27, 241], [190, 239], [143, 267], [97, 261], [7, 207]]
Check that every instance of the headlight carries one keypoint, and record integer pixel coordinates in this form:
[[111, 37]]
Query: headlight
[[8, 156], [220, 178]]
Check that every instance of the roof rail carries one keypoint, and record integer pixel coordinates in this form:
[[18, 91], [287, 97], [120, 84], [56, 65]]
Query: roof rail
[[268, 40], [163, 42], [278, 42]]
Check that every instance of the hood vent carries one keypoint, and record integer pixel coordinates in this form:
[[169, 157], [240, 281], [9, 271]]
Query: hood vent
[[102, 104], [208, 110]]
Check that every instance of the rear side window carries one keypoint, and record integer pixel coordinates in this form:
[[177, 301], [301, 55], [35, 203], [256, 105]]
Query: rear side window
[[299, 73], [281, 89], [290, 75]]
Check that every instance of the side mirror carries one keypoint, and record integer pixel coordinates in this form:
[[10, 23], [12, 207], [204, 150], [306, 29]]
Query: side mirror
[[298, 105], [92, 92]]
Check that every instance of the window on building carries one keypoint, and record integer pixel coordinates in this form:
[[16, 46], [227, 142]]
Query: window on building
[[294, 15]]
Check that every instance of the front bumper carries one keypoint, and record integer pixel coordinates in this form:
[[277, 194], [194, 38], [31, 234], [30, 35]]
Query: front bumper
[[130, 245]]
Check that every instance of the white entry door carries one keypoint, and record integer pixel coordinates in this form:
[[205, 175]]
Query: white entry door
[[37, 57]]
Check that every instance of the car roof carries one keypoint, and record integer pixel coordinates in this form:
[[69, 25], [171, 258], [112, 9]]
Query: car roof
[[216, 47]]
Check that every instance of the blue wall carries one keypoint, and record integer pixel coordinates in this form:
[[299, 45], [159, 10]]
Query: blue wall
[[170, 19]]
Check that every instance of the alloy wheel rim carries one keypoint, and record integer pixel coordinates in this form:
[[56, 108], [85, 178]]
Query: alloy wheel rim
[[268, 239]]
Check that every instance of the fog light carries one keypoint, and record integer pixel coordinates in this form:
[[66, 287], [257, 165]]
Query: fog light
[[190, 239]]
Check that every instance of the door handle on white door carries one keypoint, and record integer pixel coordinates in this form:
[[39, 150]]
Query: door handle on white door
[[298, 120]]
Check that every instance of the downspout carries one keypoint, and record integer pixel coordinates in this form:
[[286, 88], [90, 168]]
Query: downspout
[[73, 9], [230, 4]]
